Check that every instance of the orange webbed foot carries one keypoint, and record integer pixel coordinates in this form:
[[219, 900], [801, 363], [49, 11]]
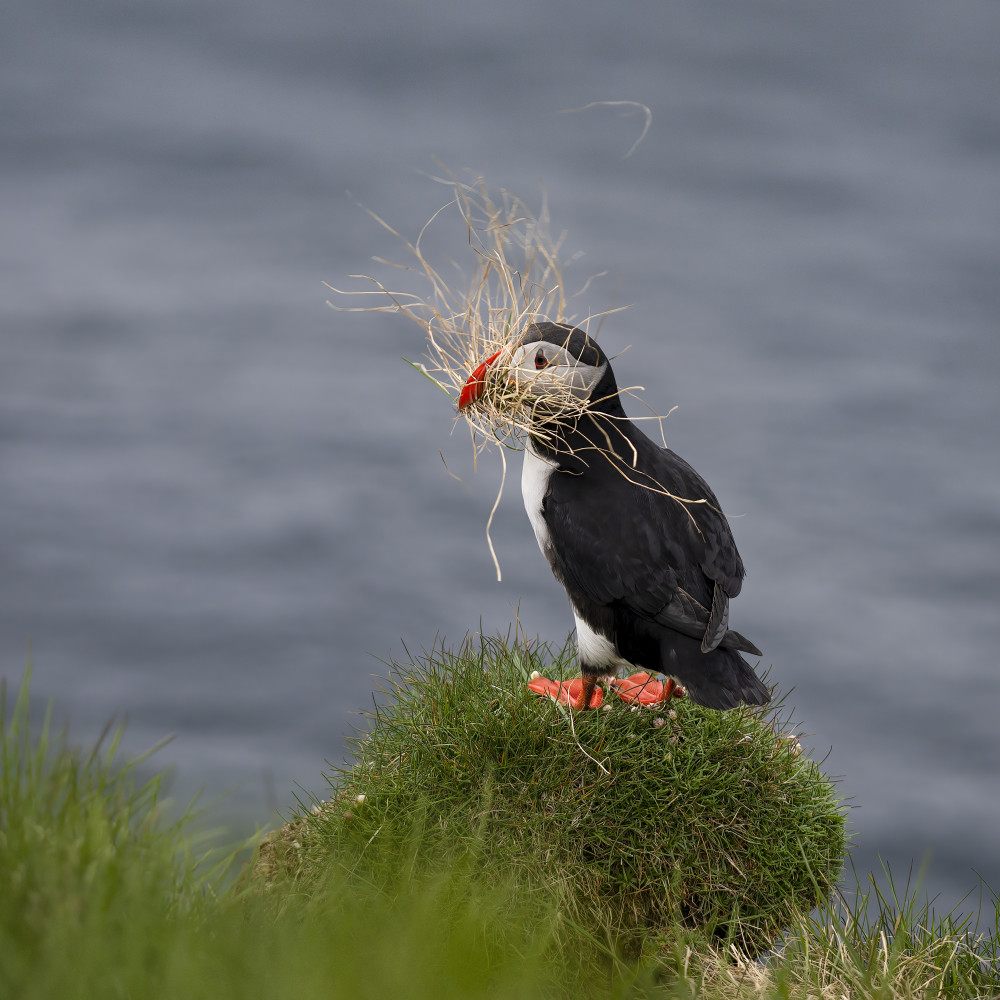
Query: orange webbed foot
[[566, 692], [642, 689]]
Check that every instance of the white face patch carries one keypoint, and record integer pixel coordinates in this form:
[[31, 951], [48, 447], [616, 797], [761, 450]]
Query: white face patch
[[544, 369]]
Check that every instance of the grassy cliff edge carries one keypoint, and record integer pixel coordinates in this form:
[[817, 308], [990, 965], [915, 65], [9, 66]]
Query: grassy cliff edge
[[446, 866], [643, 823]]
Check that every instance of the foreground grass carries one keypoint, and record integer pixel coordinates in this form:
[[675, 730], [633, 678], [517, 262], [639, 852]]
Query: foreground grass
[[100, 896]]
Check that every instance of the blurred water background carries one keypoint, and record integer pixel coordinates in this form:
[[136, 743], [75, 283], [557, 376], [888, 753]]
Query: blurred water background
[[220, 501]]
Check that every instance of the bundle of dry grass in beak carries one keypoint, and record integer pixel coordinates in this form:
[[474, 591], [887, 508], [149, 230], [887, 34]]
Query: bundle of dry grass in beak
[[474, 323]]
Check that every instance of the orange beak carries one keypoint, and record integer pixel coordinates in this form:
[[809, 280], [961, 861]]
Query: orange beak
[[473, 388]]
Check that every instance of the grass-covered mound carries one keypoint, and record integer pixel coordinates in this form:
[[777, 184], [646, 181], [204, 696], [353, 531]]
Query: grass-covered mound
[[101, 896], [644, 823]]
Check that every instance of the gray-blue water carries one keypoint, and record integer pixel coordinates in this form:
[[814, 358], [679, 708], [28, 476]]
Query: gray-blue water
[[219, 497]]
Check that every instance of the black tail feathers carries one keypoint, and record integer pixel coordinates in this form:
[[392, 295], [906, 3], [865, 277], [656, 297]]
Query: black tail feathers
[[720, 679]]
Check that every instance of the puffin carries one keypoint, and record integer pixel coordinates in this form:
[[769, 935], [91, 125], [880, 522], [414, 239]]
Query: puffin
[[632, 532]]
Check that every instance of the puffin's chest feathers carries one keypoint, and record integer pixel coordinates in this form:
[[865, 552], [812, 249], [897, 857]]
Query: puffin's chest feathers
[[535, 475]]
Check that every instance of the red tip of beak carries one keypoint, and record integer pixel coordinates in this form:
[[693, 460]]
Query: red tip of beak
[[473, 388]]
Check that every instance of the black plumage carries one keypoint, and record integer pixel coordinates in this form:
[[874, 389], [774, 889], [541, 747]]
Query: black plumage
[[638, 539]]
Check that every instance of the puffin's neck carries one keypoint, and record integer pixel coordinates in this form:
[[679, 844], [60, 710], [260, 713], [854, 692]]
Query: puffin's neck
[[576, 442]]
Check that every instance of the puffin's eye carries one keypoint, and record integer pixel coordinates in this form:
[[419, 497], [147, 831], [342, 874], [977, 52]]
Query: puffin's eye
[[540, 360]]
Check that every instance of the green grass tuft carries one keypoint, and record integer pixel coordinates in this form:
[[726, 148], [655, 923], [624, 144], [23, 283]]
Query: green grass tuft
[[638, 822], [102, 896], [83, 846]]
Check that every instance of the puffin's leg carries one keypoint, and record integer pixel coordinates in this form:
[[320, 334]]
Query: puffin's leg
[[589, 676]]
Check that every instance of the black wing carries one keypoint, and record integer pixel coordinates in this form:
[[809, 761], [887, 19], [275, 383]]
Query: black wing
[[654, 540]]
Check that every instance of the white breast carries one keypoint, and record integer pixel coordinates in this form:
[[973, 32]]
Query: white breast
[[535, 475], [596, 650]]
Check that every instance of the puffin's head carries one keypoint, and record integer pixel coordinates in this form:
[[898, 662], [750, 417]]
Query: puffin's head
[[554, 362]]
